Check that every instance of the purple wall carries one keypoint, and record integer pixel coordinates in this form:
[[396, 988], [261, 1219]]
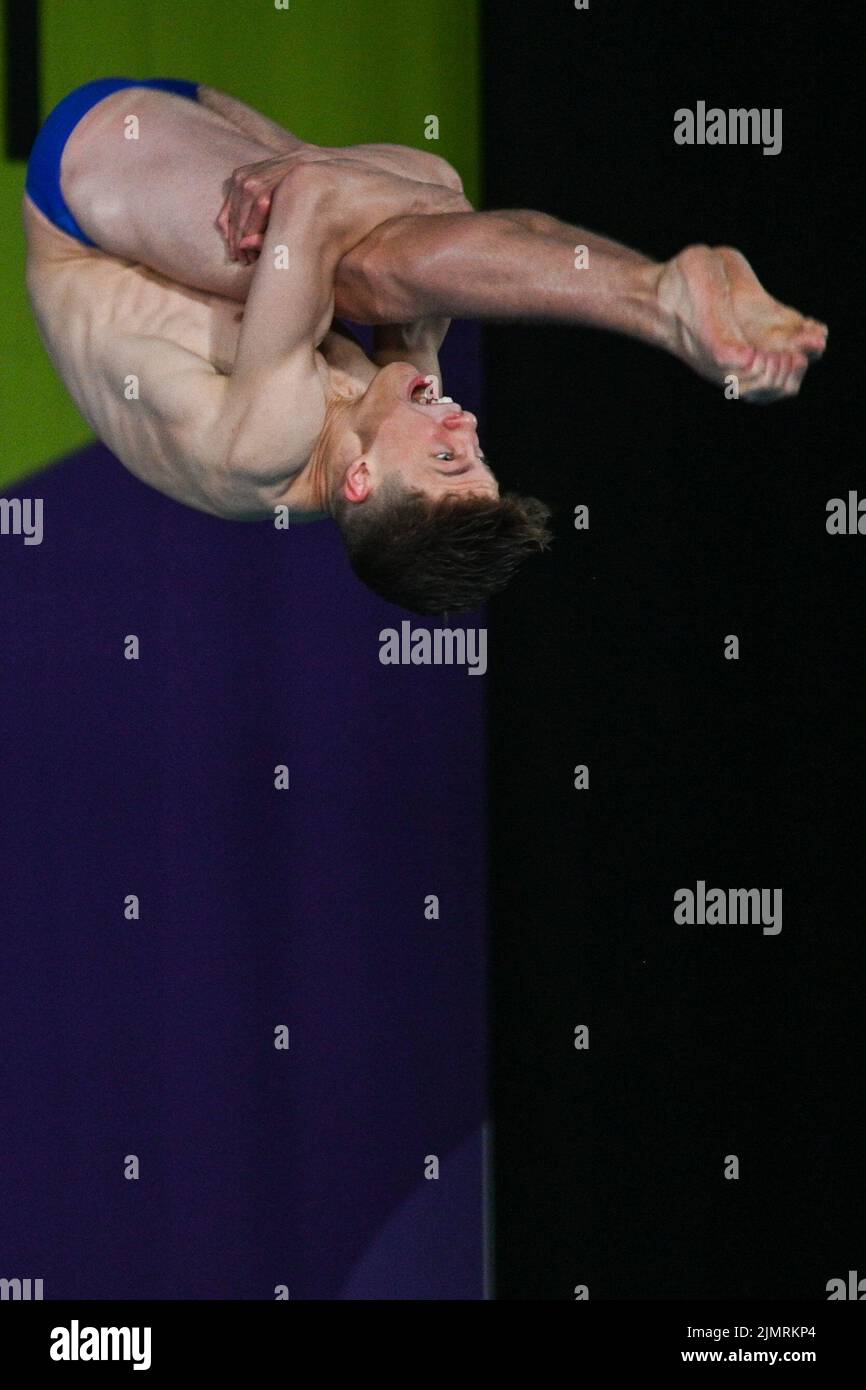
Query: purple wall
[[155, 777]]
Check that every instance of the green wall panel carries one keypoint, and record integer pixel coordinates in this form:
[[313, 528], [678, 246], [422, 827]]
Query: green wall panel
[[335, 71]]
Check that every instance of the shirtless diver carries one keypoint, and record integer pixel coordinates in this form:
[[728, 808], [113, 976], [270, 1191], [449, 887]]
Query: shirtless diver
[[178, 237]]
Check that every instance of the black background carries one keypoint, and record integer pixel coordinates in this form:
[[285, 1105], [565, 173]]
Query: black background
[[707, 517]]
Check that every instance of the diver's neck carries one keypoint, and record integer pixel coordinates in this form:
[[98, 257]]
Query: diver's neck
[[325, 467]]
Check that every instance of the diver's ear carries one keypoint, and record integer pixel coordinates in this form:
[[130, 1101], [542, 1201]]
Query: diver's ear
[[357, 482]]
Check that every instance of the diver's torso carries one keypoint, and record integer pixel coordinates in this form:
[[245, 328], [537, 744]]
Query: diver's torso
[[88, 305]]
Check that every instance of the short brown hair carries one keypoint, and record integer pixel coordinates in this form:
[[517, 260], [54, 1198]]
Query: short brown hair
[[439, 555]]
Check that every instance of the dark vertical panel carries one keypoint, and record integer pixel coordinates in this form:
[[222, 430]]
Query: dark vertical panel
[[21, 60], [707, 518]]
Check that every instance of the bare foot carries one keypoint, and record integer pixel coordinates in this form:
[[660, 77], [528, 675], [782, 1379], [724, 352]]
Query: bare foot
[[725, 324]]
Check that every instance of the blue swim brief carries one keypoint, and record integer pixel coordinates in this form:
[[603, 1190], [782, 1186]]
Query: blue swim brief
[[43, 168]]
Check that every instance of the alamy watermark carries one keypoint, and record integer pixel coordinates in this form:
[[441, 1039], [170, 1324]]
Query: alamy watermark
[[846, 517], [20, 1290], [22, 516], [729, 907], [77, 1343], [441, 646], [736, 126], [854, 1288]]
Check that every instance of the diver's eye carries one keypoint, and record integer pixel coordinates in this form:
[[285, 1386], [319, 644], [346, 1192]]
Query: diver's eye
[[447, 456]]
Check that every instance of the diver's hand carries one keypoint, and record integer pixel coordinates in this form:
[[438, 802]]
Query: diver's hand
[[367, 196], [244, 215]]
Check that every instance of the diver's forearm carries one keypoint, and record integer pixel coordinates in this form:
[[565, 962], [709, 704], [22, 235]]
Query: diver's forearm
[[505, 266]]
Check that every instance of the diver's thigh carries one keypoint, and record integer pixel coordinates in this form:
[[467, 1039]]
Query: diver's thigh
[[144, 174]]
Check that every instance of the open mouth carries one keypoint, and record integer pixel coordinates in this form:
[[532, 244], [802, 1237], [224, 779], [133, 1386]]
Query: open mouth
[[424, 390]]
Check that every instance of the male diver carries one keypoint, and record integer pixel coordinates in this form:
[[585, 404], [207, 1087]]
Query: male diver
[[186, 260]]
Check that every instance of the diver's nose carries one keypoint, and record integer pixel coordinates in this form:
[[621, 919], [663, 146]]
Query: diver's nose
[[460, 417]]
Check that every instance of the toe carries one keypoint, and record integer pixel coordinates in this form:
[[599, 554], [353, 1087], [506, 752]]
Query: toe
[[760, 388], [781, 371], [811, 337]]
